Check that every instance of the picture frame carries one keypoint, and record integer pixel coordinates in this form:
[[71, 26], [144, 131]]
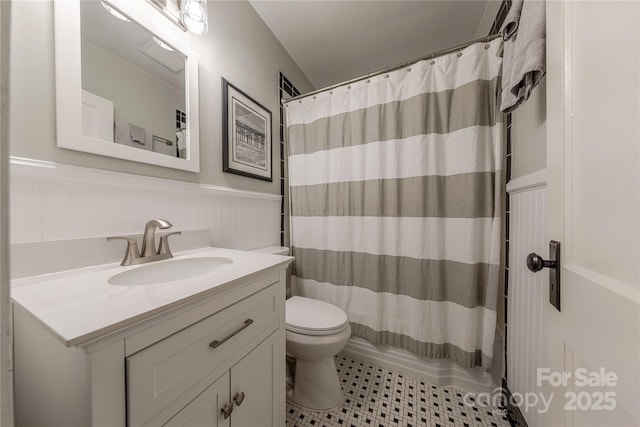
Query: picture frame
[[246, 135]]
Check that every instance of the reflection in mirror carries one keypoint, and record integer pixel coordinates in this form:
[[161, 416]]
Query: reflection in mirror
[[170, 9], [133, 83]]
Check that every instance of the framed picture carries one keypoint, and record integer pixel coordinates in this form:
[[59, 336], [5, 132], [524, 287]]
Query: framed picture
[[246, 135]]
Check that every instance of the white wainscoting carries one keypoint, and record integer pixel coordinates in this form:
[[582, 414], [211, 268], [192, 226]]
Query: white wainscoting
[[528, 292], [51, 201]]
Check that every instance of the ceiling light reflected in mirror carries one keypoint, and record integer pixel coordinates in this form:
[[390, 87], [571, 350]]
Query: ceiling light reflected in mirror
[[162, 44], [114, 12]]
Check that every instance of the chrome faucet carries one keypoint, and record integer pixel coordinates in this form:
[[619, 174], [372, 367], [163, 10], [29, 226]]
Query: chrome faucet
[[149, 252]]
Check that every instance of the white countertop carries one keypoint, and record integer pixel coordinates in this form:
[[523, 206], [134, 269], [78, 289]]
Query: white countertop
[[79, 306]]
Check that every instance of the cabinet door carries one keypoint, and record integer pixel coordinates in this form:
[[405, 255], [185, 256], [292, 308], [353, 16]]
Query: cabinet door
[[254, 376], [205, 410]]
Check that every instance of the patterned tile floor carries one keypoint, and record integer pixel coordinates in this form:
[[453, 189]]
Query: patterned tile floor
[[375, 397]]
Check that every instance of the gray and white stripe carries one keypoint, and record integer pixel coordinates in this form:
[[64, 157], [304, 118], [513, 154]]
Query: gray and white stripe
[[395, 204]]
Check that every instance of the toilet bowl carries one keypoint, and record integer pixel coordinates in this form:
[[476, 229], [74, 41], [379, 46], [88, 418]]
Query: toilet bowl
[[315, 332]]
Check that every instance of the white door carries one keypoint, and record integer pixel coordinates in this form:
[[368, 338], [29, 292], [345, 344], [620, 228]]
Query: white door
[[593, 156]]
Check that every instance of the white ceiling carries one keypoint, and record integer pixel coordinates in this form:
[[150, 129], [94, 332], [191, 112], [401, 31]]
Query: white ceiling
[[333, 41]]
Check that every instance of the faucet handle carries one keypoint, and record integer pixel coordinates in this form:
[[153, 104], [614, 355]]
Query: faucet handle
[[163, 247], [131, 252]]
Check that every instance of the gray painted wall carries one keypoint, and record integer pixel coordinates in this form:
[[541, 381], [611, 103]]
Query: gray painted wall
[[239, 47], [529, 134]]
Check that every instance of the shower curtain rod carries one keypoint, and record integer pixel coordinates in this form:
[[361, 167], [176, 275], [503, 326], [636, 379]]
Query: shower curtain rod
[[486, 39]]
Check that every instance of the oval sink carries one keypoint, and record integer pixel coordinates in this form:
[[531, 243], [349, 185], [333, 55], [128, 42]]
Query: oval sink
[[169, 271]]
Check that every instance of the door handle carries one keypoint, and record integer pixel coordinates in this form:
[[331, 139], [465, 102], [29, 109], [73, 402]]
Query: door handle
[[535, 263]]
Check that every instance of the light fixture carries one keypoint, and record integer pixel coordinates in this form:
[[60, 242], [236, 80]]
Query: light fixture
[[162, 44], [193, 14], [115, 12]]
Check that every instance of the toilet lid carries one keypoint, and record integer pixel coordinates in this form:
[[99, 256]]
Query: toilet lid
[[314, 317]]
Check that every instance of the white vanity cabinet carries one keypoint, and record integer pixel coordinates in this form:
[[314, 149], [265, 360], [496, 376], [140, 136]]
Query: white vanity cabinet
[[224, 350], [167, 375], [251, 407]]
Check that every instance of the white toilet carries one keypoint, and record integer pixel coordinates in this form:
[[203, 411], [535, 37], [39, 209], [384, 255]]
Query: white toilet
[[316, 331]]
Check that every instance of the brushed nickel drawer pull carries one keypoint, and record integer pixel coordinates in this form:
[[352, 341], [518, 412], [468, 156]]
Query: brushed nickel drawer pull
[[238, 398], [227, 410], [216, 343]]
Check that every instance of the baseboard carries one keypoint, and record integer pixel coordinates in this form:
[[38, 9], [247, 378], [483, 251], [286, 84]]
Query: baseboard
[[432, 371]]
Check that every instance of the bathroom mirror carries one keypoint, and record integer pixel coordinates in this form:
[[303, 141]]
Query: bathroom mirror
[[126, 83]]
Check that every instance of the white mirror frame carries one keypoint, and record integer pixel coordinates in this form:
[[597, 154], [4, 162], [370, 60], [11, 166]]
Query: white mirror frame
[[68, 68]]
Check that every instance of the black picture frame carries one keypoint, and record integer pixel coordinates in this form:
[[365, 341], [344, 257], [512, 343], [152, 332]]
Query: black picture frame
[[246, 135]]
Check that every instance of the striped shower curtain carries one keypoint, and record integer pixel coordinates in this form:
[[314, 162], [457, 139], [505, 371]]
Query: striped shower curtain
[[395, 190]]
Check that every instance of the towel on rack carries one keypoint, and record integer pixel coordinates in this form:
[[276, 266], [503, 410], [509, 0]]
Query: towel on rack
[[524, 62], [123, 134], [180, 139], [510, 24], [138, 135]]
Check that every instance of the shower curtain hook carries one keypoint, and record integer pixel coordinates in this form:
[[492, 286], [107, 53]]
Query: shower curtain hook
[[486, 42]]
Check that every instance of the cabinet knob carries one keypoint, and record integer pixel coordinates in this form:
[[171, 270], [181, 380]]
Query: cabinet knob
[[227, 410], [238, 398]]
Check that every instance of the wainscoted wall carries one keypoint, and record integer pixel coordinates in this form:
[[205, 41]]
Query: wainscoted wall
[[51, 201], [528, 292]]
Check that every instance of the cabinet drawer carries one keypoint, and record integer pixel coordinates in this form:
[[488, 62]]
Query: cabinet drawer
[[185, 363]]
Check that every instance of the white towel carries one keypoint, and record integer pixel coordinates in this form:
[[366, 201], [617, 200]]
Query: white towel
[[138, 135], [524, 62], [123, 135], [510, 24], [180, 139]]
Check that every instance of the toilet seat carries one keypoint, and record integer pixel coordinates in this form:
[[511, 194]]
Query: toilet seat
[[308, 316]]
